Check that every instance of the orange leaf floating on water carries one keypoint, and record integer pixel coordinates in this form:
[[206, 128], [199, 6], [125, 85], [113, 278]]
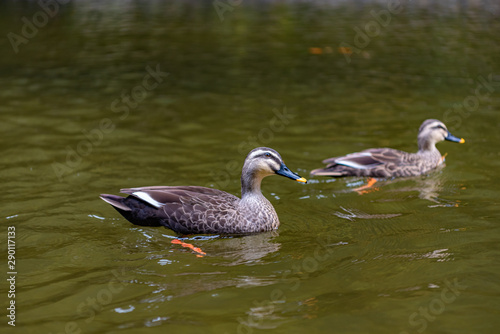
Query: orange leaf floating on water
[[315, 51], [345, 50]]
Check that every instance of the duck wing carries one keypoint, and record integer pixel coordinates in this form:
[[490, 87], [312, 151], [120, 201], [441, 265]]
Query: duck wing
[[368, 158], [376, 162], [160, 195], [184, 209]]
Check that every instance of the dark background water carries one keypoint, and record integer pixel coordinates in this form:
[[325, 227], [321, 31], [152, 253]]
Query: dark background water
[[81, 114]]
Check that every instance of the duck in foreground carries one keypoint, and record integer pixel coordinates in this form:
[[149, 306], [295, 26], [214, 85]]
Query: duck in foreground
[[388, 162], [194, 210]]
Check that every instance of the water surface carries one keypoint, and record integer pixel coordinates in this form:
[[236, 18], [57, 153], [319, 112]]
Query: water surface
[[82, 114]]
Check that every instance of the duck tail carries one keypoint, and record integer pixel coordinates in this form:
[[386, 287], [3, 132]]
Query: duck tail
[[117, 202], [134, 210]]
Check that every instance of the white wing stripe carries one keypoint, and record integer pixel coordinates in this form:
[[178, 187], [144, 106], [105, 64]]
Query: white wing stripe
[[146, 198], [353, 164]]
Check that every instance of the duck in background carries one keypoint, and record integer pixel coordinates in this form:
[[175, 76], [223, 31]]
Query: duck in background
[[391, 163]]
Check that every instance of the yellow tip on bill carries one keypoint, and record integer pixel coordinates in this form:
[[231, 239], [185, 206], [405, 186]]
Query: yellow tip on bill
[[302, 179], [462, 141]]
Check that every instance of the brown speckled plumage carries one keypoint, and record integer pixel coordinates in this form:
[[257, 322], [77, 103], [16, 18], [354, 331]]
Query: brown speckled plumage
[[388, 162], [194, 210]]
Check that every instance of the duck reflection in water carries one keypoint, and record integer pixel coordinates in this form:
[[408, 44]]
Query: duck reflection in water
[[237, 249], [428, 187]]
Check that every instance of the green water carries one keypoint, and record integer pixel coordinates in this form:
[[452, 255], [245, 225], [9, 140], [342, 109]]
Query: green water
[[81, 114]]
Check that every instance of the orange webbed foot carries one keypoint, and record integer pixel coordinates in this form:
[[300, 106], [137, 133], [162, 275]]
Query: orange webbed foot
[[366, 188], [190, 246]]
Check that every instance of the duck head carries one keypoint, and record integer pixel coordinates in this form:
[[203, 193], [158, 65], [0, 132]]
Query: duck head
[[262, 162], [433, 131]]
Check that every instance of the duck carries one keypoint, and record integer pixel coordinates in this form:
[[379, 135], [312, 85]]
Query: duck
[[391, 163], [201, 210]]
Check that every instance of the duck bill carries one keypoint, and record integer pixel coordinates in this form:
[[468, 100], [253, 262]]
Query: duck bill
[[285, 171], [454, 139]]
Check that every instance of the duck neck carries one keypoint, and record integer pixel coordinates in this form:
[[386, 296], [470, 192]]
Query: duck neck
[[426, 146], [250, 184]]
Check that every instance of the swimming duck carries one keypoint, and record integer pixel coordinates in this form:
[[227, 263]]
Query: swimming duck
[[194, 210], [388, 162]]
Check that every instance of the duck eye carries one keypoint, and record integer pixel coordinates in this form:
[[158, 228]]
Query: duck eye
[[267, 155]]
